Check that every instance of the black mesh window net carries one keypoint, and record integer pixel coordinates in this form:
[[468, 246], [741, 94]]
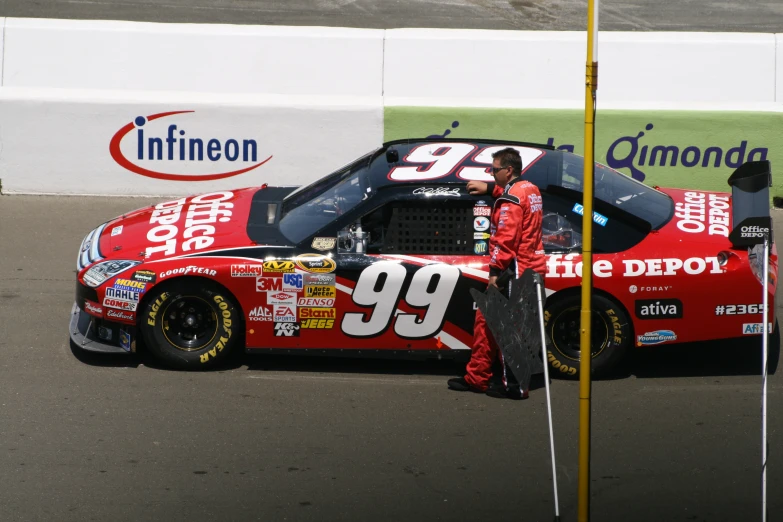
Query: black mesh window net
[[436, 229]]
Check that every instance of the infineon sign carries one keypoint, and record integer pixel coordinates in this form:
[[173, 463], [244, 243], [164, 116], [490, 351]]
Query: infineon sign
[[180, 146]]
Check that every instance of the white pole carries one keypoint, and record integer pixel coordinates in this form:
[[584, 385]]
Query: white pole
[[548, 399], [764, 344]]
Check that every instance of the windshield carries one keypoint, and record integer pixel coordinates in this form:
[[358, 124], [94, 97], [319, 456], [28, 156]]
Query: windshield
[[621, 191], [310, 208]]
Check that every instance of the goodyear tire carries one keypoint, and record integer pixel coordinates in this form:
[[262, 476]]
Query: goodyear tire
[[190, 324], [611, 335]]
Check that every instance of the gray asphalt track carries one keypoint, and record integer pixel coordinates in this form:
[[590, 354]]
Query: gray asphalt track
[[552, 15], [82, 437]]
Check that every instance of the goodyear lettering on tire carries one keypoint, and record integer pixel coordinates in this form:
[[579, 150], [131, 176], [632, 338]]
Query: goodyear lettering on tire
[[153, 313], [563, 368], [221, 344]]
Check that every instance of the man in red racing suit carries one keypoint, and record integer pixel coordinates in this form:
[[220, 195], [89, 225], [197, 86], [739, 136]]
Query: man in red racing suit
[[515, 244]]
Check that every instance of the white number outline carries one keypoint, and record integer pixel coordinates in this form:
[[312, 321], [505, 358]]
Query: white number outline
[[405, 170]]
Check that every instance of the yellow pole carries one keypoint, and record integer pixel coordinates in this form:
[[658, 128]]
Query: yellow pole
[[591, 85]]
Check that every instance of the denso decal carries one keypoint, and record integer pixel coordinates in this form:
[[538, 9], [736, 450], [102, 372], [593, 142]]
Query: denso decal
[[118, 314], [170, 150], [702, 212], [185, 270], [246, 270], [318, 302], [198, 228], [571, 266], [260, 313], [656, 337], [93, 308]]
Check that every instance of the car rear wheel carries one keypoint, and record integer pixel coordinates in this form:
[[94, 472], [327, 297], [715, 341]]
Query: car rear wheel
[[190, 324], [610, 331]]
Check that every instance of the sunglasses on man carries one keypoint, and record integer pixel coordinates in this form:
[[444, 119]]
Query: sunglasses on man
[[495, 170]]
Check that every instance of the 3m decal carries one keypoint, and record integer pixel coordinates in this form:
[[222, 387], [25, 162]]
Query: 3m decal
[[125, 295], [379, 287], [145, 276], [480, 224], [656, 337], [315, 263], [285, 298], [269, 284], [260, 313], [320, 291], [317, 323], [293, 282], [286, 329], [315, 302], [324, 243], [188, 270], [319, 279], [739, 309], [119, 314], [755, 328], [93, 308], [279, 266], [130, 285], [317, 313], [285, 313], [246, 270], [659, 309]]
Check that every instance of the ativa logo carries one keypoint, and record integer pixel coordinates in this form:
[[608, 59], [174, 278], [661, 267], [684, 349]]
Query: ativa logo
[[169, 152]]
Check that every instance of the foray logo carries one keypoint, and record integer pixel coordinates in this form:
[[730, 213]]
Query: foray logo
[[669, 155], [164, 152]]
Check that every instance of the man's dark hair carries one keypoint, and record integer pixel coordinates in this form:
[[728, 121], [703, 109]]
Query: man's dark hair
[[509, 157]]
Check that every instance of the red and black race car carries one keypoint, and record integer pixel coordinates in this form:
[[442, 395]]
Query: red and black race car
[[379, 257]]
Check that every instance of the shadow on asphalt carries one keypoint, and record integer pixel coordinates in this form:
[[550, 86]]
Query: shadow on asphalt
[[714, 358]]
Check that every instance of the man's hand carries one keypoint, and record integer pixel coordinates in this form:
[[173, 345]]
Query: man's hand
[[493, 281], [477, 188]]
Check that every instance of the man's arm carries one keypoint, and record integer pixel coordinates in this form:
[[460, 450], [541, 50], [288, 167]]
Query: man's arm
[[479, 188]]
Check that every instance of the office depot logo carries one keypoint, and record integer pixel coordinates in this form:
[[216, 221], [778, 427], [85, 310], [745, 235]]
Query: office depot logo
[[181, 148]]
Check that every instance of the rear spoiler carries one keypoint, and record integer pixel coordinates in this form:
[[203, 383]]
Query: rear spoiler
[[750, 216]]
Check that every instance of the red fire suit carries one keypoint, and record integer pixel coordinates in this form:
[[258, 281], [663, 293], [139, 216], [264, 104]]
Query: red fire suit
[[515, 243]]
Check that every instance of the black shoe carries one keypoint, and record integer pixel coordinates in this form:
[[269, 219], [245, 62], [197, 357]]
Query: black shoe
[[460, 384], [512, 393]]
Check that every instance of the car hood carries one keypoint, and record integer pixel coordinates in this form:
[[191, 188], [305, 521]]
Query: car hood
[[699, 216], [181, 226]]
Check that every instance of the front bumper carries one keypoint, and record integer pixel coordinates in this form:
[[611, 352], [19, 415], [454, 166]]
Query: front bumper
[[84, 330]]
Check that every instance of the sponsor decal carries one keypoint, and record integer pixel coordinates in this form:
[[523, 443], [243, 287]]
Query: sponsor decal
[[125, 340], [225, 336], [570, 265], [480, 247], [315, 263], [317, 323], [93, 308], [633, 288], [320, 291], [119, 304], [700, 212], [118, 314], [286, 329], [198, 228], [145, 276], [323, 243], [319, 279], [535, 202], [260, 313], [317, 313], [293, 282], [482, 210], [120, 293], [480, 235], [739, 309], [285, 298], [317, 302], [185, 270], [171, 150], [116, 231], [279, 266], [246, 270], [480, 224], [755, 328], [130, 285], [269, 284], [285, 313], [751, 231], [656, 337], [659, 309], [437, 191], [579, 209]]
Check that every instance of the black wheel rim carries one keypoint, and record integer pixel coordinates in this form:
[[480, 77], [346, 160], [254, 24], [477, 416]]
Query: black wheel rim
[[565, 332], [189, 323]]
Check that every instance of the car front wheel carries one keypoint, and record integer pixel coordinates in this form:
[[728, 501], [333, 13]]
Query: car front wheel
[[190, 324]]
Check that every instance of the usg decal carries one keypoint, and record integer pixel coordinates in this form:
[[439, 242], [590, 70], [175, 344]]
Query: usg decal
[[656, 337], [175, 148]]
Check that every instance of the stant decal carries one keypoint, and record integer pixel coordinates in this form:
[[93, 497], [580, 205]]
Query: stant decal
[[179, 146]]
